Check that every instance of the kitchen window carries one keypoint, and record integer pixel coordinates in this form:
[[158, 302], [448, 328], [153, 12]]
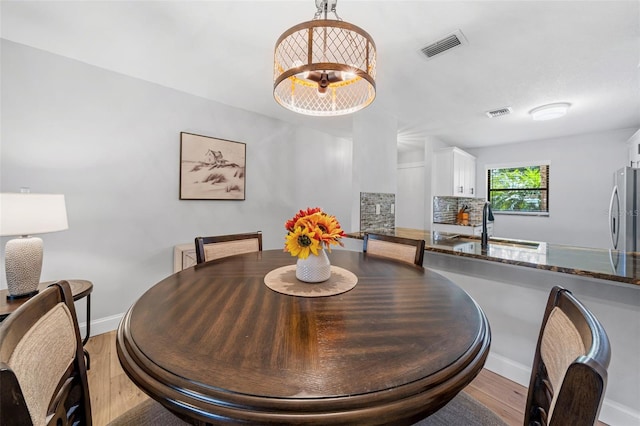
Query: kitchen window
[[519, 189]]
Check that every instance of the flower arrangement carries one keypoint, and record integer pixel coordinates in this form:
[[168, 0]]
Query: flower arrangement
[[311, 230]]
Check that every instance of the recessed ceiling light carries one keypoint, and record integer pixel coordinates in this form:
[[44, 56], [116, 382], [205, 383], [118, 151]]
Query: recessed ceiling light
[[550, 111]]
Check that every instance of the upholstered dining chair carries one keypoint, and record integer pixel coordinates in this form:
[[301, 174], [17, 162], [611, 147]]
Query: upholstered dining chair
[[215, 247], [569, 373], [398, 248], [43, 376]]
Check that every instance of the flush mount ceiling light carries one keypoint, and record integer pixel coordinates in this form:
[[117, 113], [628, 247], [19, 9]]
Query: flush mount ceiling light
[[325, 67], [549, 112]]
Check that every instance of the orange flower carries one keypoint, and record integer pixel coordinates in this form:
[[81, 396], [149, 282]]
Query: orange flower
[[310, 230], [330, 231], [291, 223]]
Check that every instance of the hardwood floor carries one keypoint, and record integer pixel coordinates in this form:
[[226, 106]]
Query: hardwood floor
[[505, 398], [112, 393]]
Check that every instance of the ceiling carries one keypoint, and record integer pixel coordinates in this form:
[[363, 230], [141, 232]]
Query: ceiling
[[519, 54]]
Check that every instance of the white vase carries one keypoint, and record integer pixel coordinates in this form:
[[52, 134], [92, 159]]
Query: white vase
[[314, 269]]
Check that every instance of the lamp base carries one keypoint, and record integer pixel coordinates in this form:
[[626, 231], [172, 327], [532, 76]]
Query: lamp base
[[22, 296], [23, 264]]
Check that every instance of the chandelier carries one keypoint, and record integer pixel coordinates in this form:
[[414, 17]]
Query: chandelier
[[325, 67]]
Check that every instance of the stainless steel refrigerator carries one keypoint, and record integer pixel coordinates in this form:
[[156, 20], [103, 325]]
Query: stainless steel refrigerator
[[623, 210]]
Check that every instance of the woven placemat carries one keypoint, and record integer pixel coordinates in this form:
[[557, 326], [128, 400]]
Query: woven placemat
[[283, 280]]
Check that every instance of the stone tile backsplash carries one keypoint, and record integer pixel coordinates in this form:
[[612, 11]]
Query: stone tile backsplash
[[369, 220], [445, 209]]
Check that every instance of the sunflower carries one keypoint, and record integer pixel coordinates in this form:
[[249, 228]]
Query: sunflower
[[311, 230], [328, 230], [301, 242]]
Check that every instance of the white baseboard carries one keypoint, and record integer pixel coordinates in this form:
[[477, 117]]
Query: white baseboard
[[611, 413], [615, 414], [512, 370], [102, 325]]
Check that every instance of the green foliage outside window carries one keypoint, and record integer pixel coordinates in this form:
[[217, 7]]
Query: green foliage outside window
[[519, 189]]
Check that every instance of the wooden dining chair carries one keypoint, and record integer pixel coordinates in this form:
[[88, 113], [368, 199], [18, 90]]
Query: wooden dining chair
[[398, 248], [43, 376], [569, 373], [215, 247]]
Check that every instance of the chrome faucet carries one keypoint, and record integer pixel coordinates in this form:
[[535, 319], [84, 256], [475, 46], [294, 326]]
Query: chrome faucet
[[487, 215]]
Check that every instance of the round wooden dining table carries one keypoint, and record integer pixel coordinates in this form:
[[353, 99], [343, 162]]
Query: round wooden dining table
[[215, 345]]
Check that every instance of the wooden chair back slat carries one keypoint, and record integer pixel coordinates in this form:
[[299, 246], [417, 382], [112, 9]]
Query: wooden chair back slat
[[570, 364], [216, 247], [398, 248], [42, 368]]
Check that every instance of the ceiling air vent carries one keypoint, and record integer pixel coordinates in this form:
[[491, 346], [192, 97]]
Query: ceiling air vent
[[499, 112], [446, 43]]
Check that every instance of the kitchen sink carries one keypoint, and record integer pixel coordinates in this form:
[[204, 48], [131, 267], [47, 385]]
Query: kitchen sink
[[500, 241], [514, 243]]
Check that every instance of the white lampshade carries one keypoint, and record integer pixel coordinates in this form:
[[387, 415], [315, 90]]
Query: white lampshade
[[29, 214]]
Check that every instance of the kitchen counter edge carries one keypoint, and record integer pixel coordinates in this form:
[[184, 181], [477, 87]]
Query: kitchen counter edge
[[434, 241]]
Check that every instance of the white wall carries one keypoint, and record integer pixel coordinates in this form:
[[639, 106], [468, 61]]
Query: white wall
[[410, 199], [431, 145], [581, 181], [413, 155], [514, 297], [581, 176], [375, 157], [410, 196], [111, 144], [415, 181]]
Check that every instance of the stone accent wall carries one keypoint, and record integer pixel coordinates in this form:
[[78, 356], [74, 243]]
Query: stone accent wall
[[445, 209], [369, 220]]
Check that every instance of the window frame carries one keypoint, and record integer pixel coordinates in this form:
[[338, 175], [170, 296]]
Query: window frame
[[490, 167]]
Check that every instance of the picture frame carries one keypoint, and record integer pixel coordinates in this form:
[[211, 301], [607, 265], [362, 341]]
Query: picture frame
[[211, 168]]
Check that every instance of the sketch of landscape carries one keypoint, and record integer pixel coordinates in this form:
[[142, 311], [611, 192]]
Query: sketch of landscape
[[211, 169]]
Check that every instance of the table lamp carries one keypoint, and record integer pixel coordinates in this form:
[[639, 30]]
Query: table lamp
[[24, 214]]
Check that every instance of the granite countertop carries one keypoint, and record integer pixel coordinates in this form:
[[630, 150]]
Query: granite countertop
[[453, 224], [606, 264]]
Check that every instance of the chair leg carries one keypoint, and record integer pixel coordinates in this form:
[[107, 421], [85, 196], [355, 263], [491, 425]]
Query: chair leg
[[86, 339]]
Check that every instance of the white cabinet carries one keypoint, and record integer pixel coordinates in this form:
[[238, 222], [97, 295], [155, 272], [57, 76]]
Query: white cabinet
[[468, 178], [465, 248], [184, 256], [454, 173], [461, 229], [477, 230]]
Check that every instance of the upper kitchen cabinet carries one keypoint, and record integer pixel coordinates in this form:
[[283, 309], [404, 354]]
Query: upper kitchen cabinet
[[454, 173]]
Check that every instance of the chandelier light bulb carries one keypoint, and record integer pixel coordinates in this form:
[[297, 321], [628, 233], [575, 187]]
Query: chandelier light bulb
[[347, 75]]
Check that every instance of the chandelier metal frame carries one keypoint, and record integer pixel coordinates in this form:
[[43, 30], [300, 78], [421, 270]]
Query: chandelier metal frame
[[325, 67]]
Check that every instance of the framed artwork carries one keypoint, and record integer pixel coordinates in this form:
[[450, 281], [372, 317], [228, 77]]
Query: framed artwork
[[211, 168]]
